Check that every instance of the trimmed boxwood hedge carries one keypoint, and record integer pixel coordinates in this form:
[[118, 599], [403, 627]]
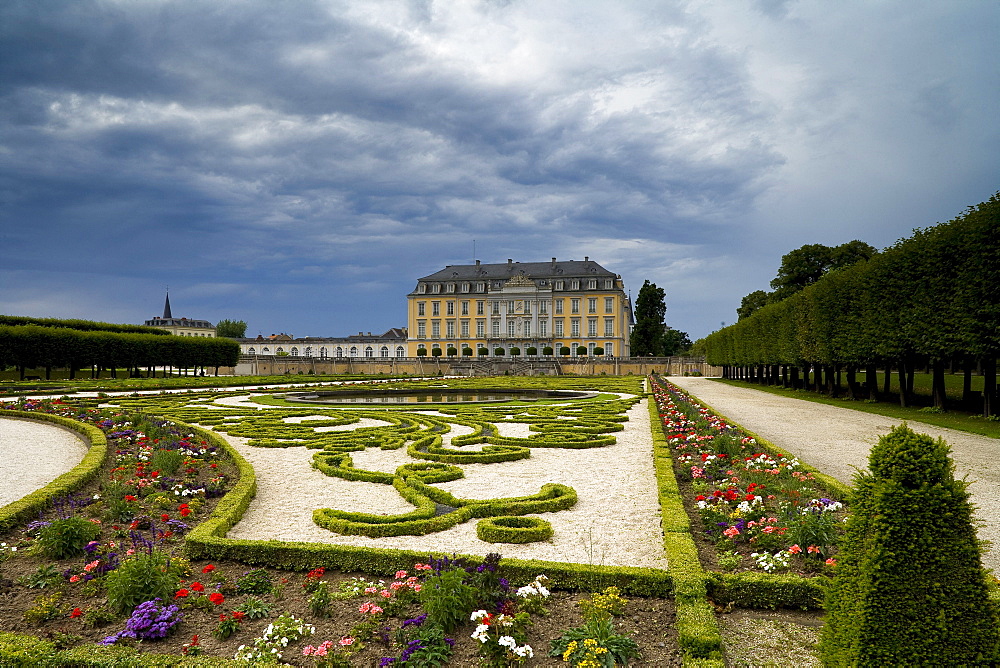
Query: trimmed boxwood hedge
[[28, 507], [509, 529]]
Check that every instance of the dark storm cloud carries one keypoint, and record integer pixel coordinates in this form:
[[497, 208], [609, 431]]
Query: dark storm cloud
[[270, 152]]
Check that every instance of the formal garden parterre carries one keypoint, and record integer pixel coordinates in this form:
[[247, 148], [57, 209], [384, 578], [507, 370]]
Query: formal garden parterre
[[344, 604]]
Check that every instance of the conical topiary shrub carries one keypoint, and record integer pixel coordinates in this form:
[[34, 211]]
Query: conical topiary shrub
[[909, 587]]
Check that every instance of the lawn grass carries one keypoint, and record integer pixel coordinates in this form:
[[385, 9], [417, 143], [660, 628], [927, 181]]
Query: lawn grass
[[952, 419]]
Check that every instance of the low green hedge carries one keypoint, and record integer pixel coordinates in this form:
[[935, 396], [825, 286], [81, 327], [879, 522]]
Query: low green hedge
[[508, 529], [27, 651], [767, 591], [28, 507]]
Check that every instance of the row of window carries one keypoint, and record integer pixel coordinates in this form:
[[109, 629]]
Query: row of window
[[608, 348], [338, 351], [572, 284], [514, 328], [516, 306], [193, 334]]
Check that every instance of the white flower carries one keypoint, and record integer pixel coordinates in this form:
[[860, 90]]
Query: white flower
[[524, 651], [481, 633], [507, 641], [478, 614]]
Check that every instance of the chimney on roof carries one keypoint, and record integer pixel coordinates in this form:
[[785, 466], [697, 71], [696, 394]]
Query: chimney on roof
[[477, 263], [509, 261], [553, 260], [586, 258]]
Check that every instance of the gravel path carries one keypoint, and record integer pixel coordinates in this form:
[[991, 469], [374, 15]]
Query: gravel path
[[615, 522], [837, 441], [33, 454]]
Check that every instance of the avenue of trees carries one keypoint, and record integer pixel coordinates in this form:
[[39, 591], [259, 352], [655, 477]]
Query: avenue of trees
[[32, 346], [930, 300], [650, 336]]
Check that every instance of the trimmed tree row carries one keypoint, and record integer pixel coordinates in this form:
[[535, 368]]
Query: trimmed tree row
[[931, 300], [34, 346]]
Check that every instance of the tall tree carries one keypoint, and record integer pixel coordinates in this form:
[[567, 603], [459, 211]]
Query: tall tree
[[233, 329], [752, 302], [807, 264], [650, 309], [675, 342]]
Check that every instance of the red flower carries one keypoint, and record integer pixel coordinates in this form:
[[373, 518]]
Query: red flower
[[222, 617], [197, 586], [238, 616], [181, 593], [208, 569], [185, 512], [76, 612], [164, 517], [129, 497], [750, 497], [217, 598]]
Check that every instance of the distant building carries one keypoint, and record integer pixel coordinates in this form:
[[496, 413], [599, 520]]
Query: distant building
[[520, 305], [181, 326], [390, 344]]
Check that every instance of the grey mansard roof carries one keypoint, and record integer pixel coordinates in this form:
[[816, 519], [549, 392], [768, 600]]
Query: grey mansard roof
[[585, 268]]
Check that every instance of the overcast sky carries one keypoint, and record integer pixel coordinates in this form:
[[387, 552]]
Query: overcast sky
[[299, 164]]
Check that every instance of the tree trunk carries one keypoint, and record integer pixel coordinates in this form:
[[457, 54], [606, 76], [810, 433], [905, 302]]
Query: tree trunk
[[888, 378], [989, 387], [904, 396], [793, 373], [937, 384], [967, 381], [871, 381], [852, 380]]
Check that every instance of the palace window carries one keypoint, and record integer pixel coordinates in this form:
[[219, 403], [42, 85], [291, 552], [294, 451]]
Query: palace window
[[436, 288], [384, 351], [480, 329], [574, 306], [465, 308], [559, 307], [435, 308], [451, 287], [576, 285], [295, 352], [592, 284], [510, 307], [422, 289], [609, 304], [421, 330], [435, 329], [420, 308], [496, 328], [609, 327], [559, 328], [480, 307], [400, 351], [480, 287], [465, 287], [543, 327], [369, 352], [609, 349], [450, 329], [609, 284], [450, 308], [527, 328], [510, 328], [559, 285], [527, 306], [496, 307], [592, 327], [575, 327], [339, 352], [543, 307], [354, 351], [465, 329], [592, 305]]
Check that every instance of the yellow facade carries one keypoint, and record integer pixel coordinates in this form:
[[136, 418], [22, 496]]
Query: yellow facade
[[516, 307]]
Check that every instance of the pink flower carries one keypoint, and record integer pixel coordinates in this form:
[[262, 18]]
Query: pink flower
[[795, 549], [92, 565], [371, 590], [385, 593], [813, 549], [75, 578], [400, 575], [831, 562], [365, 607], [730, 532], [346, 640], [422, 567], [375, 610]]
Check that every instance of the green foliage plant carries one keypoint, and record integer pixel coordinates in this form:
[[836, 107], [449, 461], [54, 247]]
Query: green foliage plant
[[47, 575], [144, 576], [448, 599], [256, 581], [513, 529], [66, 537], [909, 585], [47, 607], [254, 608], [596, 643], [320, 599]]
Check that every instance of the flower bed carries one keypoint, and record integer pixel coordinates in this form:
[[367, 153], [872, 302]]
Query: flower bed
[[761, 510], [106, 587]]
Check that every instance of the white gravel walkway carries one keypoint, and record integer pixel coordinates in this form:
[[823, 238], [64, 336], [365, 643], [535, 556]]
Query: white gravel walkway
[[615, 522], [33, 454], [837, 441]]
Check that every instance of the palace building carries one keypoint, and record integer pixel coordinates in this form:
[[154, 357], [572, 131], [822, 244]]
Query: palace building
[[181, 326], [514, 307]]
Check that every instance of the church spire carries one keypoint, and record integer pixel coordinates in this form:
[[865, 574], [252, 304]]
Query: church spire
[[166, 309]]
